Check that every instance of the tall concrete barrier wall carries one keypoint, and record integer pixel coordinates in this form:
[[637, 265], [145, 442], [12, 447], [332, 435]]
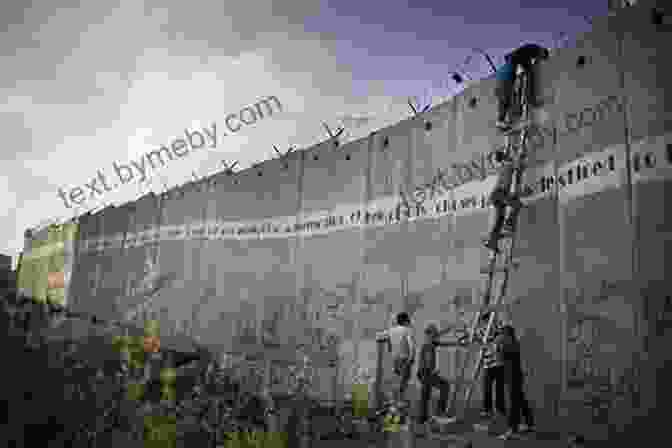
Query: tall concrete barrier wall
[[327, 244]]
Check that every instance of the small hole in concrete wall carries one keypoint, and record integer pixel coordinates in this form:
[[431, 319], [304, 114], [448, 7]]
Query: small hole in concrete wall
[[259, 173], [315, 157], [581, 61], [428, 126], [657, 16], [235, 181], [347, 157], [386, 142], [336, 143], [285, 166], [473, 102]]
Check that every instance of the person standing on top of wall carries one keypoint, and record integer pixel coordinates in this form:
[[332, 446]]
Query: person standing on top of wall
[[501, 198], [523, 57], [401, 344]]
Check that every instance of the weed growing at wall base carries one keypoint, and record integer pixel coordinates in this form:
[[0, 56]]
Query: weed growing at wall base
[[180, 147]]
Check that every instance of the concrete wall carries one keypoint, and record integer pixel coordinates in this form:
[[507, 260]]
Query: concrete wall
[[589, 301]]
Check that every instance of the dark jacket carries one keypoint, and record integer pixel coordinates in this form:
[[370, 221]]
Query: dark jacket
[[427, 364], [511, 358], [525, 54]]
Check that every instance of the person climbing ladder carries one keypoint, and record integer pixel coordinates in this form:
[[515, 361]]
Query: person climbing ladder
[[524, 57], [501, 198]]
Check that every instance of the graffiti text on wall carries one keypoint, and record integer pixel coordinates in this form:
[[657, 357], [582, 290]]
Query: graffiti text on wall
[[584, 372], [588, 116], [484, 164], [588, 175]]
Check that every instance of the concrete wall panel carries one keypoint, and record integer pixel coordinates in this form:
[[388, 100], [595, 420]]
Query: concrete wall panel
[[79, 286], [652, 190], [390, 160], [477, 113], [596, 277], [193, 290], [272, 188], [105, 291], [144, 257], [114, 281], [332, 267], [89, 303], [647, 72], [171, 261], [331, 179], [588, 107], [432, 143], [533, 295]]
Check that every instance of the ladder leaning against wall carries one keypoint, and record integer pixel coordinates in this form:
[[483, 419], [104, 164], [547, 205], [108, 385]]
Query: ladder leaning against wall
[[500, 264]]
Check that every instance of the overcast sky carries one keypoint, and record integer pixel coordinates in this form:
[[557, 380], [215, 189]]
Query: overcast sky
[[83, 86]]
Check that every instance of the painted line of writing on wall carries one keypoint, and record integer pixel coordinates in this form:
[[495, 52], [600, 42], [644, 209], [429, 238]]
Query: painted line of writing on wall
[[595, 172], [483, 165]]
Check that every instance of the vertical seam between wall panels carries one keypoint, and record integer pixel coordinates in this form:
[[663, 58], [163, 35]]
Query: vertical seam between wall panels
[[122, 254], [297, 246], [363, 254], [634, 285], [560, 264], [202, 301], [410, 154], [157, 232], [75, 266]]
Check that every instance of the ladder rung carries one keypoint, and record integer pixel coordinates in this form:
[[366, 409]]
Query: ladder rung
[[503, 235], [517, 127], [513, 265], [486, 308]]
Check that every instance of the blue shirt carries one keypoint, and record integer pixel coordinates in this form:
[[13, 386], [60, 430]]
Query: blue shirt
[[505, 72]]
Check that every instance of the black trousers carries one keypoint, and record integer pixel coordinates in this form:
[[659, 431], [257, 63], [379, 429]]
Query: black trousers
[[501, 199], [518, 404], [494, 376], [403, 369], [429, 382]]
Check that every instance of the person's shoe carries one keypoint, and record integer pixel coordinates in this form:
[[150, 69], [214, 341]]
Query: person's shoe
[[492, 245], [509, 227], [526, 428], [509, 435], [503, 125]]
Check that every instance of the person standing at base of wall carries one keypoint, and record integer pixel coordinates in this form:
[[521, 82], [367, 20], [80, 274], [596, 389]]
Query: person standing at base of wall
[[428, 374], [401, 344], [493, 375], [513, 374]]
